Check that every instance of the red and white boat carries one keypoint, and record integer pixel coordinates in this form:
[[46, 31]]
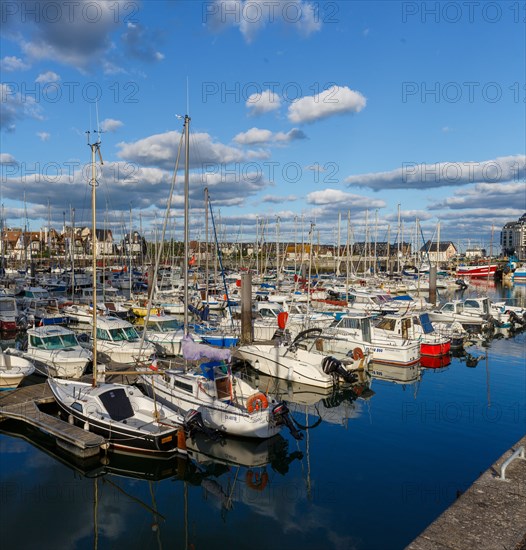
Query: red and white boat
[[414, 327], [476, 270], [8, 313]]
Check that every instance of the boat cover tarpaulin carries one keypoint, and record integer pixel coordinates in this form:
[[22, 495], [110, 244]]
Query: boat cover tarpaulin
[[193, 351], [427, 326]]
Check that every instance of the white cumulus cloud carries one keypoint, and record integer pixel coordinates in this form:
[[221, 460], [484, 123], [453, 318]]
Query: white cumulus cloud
[[44, 136], [110, 125], [260, 136], [252, 16], [46, 77], [335, 100], [6, 158], [264, 102], [341, 199], [13, 63]]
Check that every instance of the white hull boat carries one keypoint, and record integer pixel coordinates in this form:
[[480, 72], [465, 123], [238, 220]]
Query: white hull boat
[[119, 342], [13, 370], [55, 351], [225, 401], [290, 361], [353, 332]]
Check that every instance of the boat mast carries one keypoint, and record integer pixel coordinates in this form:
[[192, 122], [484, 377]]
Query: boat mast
[[398, 242], [130, 252], [206, 244], [72, 250], [186, 221], [95, 148]]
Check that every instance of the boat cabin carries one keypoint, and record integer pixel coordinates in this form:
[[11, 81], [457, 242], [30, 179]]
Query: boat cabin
[[478, 306], [116, 332], [52, 338], [358, 324], [406, 326]]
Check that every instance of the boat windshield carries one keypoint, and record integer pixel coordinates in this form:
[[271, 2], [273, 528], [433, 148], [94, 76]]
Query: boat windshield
[[123, 333], [164, 326], [69, 340], [7, 306], [54, 342]]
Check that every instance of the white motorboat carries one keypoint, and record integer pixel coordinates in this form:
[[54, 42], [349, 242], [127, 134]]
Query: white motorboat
[[13, 370], [165, 332], [354, 331], [297, 362], [56, 352], [456, 311], [118, 340]]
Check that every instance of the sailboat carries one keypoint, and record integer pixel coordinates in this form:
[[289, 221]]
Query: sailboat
[[127, 419], [225, 401]]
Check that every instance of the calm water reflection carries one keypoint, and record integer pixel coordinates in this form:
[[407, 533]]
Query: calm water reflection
[[377, 465]]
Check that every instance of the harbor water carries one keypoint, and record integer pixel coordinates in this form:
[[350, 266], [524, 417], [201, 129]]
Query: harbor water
[[374, 468]]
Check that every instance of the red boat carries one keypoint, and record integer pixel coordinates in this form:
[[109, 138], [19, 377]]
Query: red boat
[[476, 271], [441, 346], [436, 362]]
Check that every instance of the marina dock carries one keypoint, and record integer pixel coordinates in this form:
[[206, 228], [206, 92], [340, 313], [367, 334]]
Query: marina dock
[[490, 514], [23, 403]]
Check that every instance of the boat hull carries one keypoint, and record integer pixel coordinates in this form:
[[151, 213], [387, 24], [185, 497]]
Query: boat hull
[[118, 436], [434, 349], [269, 360], [217, 415], [476, 271], [13, 370]]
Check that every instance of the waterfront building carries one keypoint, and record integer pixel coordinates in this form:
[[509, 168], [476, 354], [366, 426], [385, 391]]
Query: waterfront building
[[513, 238], [438, 252]]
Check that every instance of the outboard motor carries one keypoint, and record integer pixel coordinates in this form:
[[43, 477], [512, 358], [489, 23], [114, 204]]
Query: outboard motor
[[331, 365], [282, 414], [193, 423], [461, 283], [515, 319]]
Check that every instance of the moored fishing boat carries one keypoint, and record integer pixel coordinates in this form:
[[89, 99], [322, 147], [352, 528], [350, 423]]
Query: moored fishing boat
[[414, 327], [476, 271], [519, 275], [354, 331], [225, 401]]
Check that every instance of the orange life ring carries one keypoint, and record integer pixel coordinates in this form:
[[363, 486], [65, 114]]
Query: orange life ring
[[357, 353], [257, 402], [256, 481]]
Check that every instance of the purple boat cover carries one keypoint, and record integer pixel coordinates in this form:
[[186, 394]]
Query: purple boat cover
[[193, 351]]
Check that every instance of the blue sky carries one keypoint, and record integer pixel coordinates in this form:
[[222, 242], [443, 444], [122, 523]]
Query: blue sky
[[301, 112]]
